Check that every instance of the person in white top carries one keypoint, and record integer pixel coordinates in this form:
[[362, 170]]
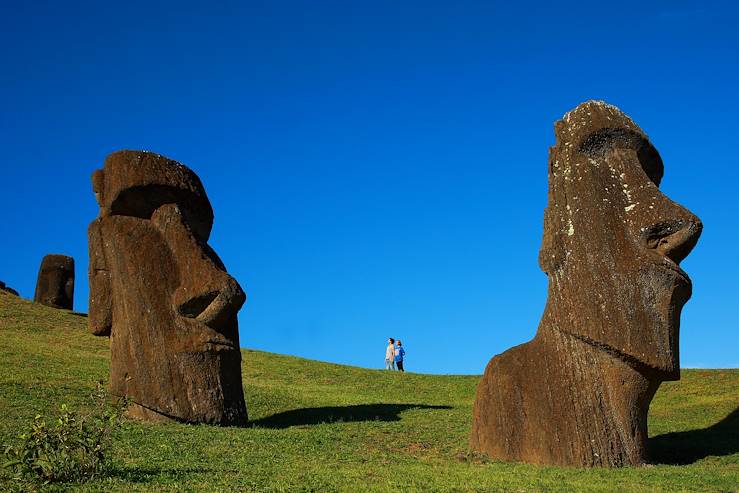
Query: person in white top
[[390, 354]]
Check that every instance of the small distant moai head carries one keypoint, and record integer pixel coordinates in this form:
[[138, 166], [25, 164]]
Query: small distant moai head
[[7, 289], [612, 241], [55, 282], [162, 294]]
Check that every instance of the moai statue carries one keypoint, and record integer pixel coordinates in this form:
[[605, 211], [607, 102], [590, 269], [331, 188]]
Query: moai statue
[[162, 294], [579, 392], [55, 282], [7, 289]]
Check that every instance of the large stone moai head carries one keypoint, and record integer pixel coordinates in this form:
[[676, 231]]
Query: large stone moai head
[[579, 392], [162, 294], [613, 241], [55, 282]]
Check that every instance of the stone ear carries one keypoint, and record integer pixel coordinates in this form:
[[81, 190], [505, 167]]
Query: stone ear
[[550, 254], [98, 183], [98, 178], [100, 311]]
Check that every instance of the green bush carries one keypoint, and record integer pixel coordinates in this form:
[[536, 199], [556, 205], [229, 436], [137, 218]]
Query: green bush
[[70, 447]]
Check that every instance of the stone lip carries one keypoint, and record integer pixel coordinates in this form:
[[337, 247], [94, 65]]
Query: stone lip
[[55, 283], [579, 392]]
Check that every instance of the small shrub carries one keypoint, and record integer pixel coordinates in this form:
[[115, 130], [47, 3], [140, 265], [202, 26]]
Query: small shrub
[[70, 447]]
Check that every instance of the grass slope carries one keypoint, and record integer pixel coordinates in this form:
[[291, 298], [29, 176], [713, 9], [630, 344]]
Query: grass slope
[[325, 427]]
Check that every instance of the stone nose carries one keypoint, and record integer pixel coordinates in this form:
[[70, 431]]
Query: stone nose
[[214, 305], [674, 238], [206, 292]]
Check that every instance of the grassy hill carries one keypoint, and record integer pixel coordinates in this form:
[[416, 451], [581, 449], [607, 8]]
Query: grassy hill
[[325, 427]]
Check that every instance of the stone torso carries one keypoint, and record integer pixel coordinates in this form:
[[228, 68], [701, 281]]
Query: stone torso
[[557, 400]]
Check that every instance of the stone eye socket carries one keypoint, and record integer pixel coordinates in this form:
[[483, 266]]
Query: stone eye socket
[[604, 140], [143, 201]]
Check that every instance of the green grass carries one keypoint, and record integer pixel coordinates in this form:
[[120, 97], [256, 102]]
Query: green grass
[[324, 427]]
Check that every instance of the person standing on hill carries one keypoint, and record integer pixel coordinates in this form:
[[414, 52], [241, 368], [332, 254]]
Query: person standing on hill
[[390, 354], [399, 355]]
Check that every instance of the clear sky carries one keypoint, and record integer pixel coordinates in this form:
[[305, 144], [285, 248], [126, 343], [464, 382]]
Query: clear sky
[[376, 168]]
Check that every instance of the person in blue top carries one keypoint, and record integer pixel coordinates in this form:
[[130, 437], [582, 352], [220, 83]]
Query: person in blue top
[[399, 355]]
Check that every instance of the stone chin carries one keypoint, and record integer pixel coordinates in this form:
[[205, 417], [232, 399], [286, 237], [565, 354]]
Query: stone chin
[[667, 354], [663, 293]]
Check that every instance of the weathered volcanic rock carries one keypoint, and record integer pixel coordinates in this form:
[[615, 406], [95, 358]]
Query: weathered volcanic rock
[[55, 282], [579, 392], [162, 294], [7, 289]]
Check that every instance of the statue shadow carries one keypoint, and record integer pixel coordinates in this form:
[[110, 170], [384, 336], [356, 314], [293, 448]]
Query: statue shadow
[[686, 447], [337, 414]]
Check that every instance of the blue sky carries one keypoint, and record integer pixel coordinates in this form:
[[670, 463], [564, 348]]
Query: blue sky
[[376, 168]]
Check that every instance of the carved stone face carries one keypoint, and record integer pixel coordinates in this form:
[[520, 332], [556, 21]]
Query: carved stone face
[[613, 241], [162, 293], [55, 282]]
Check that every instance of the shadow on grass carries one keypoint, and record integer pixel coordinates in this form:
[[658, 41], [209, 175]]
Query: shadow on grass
[[139, 474], [686, 447], [331, 414]]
